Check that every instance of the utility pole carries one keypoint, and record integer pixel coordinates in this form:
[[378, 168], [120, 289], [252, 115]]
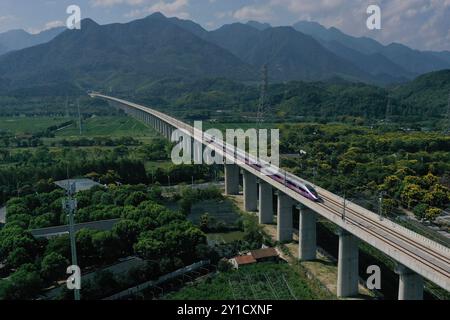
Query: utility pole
[[70, 205], [314, 175], [380, 204], [345, 207]]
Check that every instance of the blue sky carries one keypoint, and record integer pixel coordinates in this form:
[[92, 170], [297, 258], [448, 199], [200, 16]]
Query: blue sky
[[421, 24]]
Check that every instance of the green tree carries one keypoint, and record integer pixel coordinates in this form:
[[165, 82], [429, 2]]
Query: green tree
[[24, 284], [432, 213], [127, 231], [135, 199], [411, 195], [17, 257], [149, 248], [420, 210], [107, 245], [53, 266], [204, 222]]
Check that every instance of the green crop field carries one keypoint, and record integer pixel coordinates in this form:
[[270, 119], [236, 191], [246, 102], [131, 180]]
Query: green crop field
[[236, 125], [262, 281], [111, 126], [108, 126], [21, 125]]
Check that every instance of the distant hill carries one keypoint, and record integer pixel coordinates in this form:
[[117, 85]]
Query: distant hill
[[132, 56], [120, 55], [258, 25], [20, 39], [429, 92], [394, 60], [290, 55]]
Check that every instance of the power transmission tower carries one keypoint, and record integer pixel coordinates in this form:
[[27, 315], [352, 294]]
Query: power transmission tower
[[262, 107], [388, 110], [79, 118]]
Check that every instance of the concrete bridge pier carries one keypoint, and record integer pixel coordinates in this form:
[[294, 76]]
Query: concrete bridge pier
[[265, 203], [158, 125], [348, 277], [250, 192], [307, 243], [166, 130], [284, 217], [197, 151], [410, 286], [231, 179]]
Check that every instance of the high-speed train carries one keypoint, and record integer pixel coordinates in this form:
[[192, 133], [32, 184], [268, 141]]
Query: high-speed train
[[304, 189]]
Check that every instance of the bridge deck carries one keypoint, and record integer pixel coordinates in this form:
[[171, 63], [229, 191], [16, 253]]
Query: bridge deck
[[420, 254]]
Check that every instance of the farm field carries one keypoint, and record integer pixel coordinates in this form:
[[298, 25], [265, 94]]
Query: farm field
[[112, 126], [263, 281], [22, 125], [238, 125]]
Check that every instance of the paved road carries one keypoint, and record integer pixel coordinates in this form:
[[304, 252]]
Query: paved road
[[59, 230]]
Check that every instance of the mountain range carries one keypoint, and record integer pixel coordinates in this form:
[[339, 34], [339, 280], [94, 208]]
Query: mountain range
[[20, 39], [132, 55]]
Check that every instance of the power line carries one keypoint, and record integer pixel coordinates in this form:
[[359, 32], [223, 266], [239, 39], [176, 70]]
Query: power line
[[262, 106]]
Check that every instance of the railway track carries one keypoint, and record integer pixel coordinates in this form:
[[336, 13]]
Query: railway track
[[435, 261], [409, 252]]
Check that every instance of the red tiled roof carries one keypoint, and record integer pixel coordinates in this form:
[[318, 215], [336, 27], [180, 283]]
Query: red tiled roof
[[241, 260], [264, 253]]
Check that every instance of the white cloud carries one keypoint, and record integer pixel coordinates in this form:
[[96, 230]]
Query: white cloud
[[49, 25], [418, 23], [6, 19], [175, 8], [253, 12], [110, 3]]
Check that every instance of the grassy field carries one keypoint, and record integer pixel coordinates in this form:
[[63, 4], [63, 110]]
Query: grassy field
[[151, 166], [21, 125], [262, 281], [111, 126], [244, 126], [108, 126], [220, 211]]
